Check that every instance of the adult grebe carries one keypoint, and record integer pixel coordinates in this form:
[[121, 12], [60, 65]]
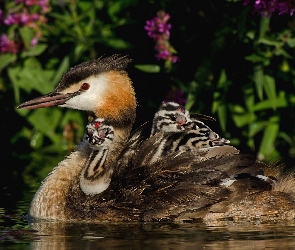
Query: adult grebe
[[225, 185]]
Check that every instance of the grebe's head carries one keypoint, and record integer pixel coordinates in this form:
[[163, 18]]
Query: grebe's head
[[101, 87]]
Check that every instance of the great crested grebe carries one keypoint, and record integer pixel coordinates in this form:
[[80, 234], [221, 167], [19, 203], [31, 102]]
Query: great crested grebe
[[225, 185]]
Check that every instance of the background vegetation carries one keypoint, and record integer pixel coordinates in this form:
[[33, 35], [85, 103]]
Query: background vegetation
[[234, 62]]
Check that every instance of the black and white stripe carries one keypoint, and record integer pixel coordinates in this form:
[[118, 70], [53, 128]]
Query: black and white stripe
[[99, 134], [189, 140], [94, 177], [215, 139], [181, 132], [169, 118]]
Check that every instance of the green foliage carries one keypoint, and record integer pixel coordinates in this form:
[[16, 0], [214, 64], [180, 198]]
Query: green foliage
[[148, 68], [74, 32], [251, 102], [233, 64]]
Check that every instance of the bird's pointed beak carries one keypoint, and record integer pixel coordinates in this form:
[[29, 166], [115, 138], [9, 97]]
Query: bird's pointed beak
[[48, 100]]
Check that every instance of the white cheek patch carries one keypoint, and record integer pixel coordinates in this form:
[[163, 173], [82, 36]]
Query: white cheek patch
[[91, 98]]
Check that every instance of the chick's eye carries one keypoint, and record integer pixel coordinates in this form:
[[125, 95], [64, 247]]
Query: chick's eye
[[173, 118], [85, 86]]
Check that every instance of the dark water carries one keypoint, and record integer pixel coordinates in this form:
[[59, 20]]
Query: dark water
[[17, 232]]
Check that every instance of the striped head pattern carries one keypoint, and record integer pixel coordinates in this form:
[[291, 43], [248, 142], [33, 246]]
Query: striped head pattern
[[170, 117], [99, 134]]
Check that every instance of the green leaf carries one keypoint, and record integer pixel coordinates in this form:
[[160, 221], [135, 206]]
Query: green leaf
[[291, 42], [34, 51], [222, 79], [269, 137], [31, 76], [269, 41], [250, 99], [259, 80], [22, 112], [281, 52], [256, 127], [281, 102], [13, 76], [6, 59], [63, 67], [79, 50], [190, 101], [85, 6], [117, 6], [251, 34], [191, 97], [117, 43], [241, 120], [36, 140], [222, 117], [254, 58], [237, 109], [270, 89], [148, 68], [46, 121], [287, 138], [264, 26], [27, 35]]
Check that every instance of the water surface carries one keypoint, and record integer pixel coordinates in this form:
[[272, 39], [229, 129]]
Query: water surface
[[18, 232]]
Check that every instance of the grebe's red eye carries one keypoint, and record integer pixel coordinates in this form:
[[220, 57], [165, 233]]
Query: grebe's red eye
[[97, 124], [85, 86]]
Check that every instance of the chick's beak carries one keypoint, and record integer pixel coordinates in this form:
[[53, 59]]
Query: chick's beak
[[48, 100]]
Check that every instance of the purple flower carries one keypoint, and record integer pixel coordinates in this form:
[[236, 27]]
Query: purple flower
[[44, 4], [12, 18], [164, 54], [34, 41], [267, 7], [24, 18], [1, 15], [34, 17], [7, 45], [159, 30], [30, 13], [158, 26], [176, 95]]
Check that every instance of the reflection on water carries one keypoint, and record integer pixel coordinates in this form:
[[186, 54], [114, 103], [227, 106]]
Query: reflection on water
[[160, 236], [17, 233]]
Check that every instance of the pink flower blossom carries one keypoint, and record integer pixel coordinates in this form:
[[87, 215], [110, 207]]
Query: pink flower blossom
[[267, 7], [176, 95], [34, 41], [29, 13], [159, 29], [11, 19], [6, 45]]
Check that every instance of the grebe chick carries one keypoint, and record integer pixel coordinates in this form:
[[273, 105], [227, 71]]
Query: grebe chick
[[181, 133], [169, 118], [95, 178]]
